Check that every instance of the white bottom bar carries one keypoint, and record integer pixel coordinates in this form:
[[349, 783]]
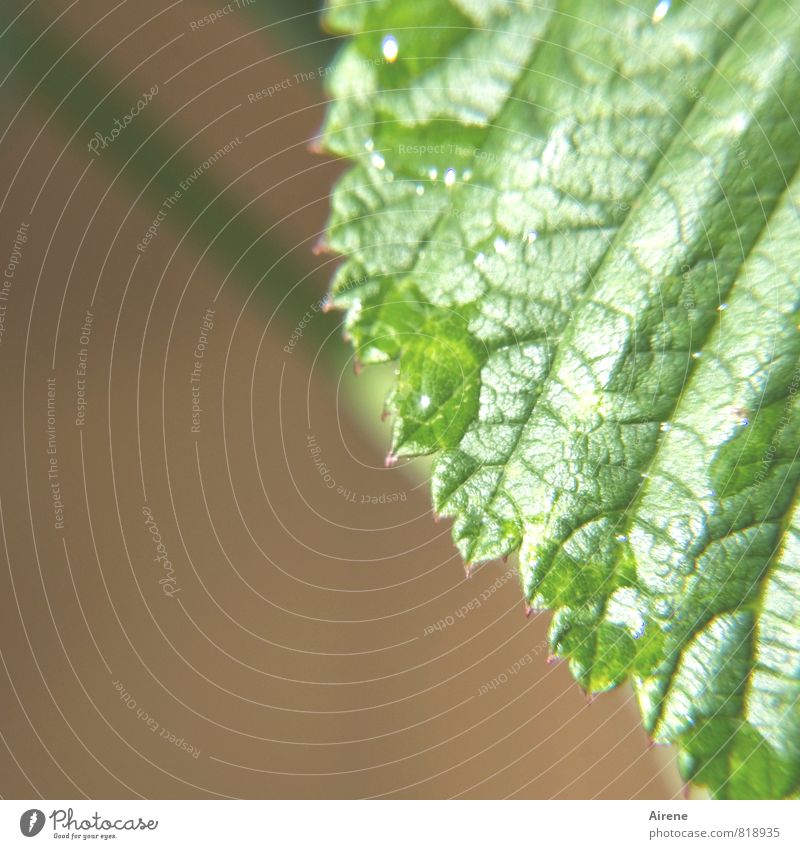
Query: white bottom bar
[[401, 824]]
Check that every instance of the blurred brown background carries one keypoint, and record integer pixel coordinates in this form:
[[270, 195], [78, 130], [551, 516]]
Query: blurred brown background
[[301, 630]]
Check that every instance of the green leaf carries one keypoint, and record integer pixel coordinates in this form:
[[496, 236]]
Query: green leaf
[[574, 226]]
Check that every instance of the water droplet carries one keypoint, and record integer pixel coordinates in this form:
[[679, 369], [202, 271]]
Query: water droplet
[[467, 175], [665, 427], [661, 10], [420, 189], [433, 173], [621, 538], [480, 260], [449, 176], [424, 401], [696, 355], [722, 307], [664, 608], [390, 48], [369, 145], [378, 161], [531, 237], [661, 570], [500, 245]]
